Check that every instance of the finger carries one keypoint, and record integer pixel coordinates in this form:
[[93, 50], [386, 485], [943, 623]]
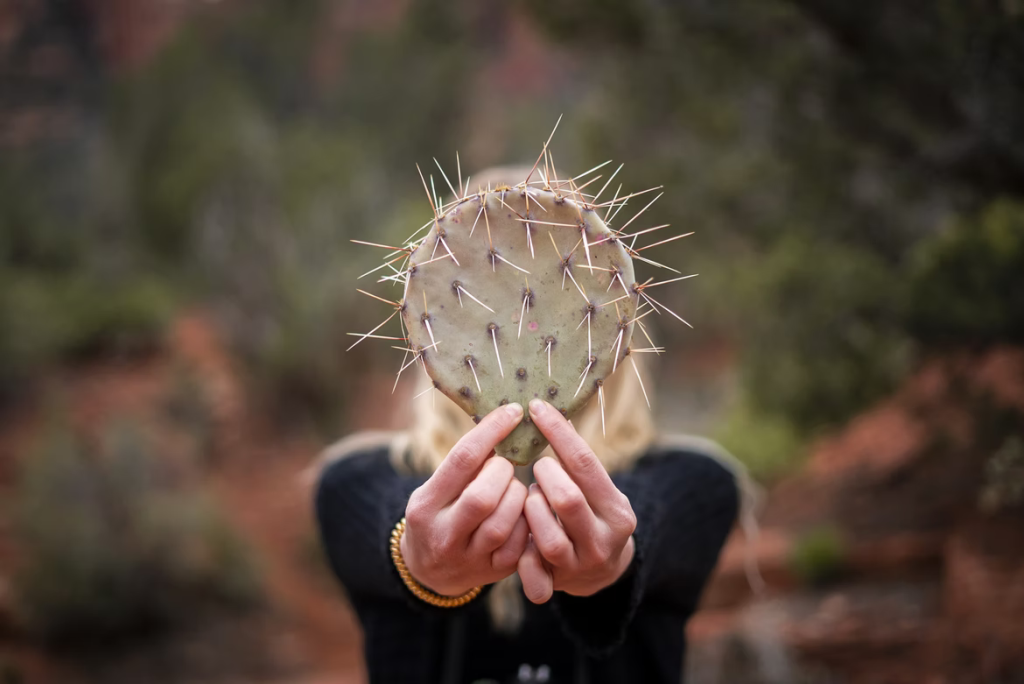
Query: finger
[[506, 558], [464, 460], [548, 536], [496, 527], [538, 584], [566, 499], [480, 498], [576, 456]]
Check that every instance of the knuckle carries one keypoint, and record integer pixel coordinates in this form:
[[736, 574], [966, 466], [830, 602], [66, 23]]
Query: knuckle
[[561, 431], [504, 560], [558, 548], [622, 519], [427, 563], [630, 525], [416, 510], [598, 551], [474, 502], [461, 455], [567, 501], [492, 535], [444, 548], [581, 456]]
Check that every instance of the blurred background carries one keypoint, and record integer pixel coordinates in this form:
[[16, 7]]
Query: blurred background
[[179, 182]]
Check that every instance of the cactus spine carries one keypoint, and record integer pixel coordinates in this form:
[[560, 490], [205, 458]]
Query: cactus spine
[[521, 291]]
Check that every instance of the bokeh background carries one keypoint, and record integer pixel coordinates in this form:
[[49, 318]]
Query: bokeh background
[[179, 182]]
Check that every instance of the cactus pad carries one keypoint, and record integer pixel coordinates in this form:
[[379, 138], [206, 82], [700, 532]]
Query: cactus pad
[[503, 306], [520, 291]]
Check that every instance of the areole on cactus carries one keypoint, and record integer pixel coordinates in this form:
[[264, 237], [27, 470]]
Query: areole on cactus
[[522, 290]]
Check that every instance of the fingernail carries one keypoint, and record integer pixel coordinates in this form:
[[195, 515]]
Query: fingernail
[[534, 487], [537, 407], [515, 411]]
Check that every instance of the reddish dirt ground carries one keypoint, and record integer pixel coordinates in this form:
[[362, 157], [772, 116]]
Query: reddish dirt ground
[[928, 591], [263, 482], [928, 585]]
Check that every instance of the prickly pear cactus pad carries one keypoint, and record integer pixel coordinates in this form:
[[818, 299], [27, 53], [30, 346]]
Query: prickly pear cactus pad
[[518, 291]]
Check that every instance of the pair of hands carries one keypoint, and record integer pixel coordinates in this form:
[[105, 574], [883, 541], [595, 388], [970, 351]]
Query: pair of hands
[[473, 523]]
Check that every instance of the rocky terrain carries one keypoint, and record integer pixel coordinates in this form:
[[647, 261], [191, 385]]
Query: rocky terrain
[[918, 579], [924, 582]]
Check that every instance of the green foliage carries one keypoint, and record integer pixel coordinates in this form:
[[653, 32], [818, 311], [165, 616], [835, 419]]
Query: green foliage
[[768, 445], [817, 148], [825, 331], [225, 172], [71, 281], [117, 543], [46, 317], [818, 556], [799, 140], [603, 18], [1003, 486], [968, 284], [72, 316], [249, 182]]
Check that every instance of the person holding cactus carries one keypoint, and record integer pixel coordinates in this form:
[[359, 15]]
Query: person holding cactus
[[496, 540], [589, 574]]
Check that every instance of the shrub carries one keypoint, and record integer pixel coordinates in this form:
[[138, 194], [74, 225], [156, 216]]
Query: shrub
[[115, 544], [967, 286], [768, 445], [1003, 485], [45, 318], [72, 281], [826, 333]]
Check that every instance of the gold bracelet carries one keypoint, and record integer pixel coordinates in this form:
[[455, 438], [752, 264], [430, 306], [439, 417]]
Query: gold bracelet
[[418, 590]]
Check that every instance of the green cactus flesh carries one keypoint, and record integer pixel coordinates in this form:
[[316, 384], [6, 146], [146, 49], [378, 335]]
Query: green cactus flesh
[[512, 297]]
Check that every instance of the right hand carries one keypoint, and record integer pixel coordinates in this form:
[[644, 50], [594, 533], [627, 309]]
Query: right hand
[[465, 525]]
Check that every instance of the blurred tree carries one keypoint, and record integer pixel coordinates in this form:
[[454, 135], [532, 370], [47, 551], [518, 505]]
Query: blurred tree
[[821, 150], [818, 146], [116, 544], [968, 283], [229, 172]]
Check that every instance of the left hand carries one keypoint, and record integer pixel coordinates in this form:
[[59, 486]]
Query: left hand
[[590, 544]]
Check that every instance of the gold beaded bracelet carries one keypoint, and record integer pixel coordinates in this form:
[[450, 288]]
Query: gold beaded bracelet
[[418, 590]]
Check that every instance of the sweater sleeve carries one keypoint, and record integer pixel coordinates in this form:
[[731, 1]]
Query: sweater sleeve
[[685, 503], [359, 499]]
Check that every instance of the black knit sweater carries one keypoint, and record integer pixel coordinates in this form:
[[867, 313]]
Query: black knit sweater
[[632, 631]]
